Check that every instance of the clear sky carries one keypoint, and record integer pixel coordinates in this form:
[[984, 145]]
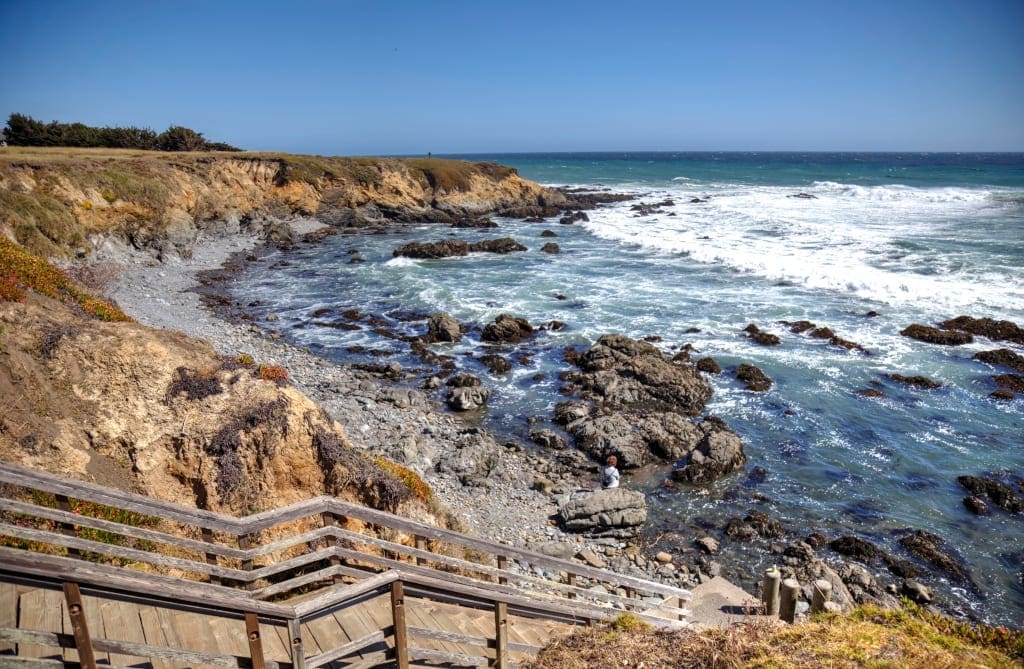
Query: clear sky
[[390, 76]]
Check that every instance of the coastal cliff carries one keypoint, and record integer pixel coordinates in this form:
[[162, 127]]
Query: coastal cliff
[[59, 202]]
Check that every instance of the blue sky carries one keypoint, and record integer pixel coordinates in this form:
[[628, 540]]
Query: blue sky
[[388, 77]]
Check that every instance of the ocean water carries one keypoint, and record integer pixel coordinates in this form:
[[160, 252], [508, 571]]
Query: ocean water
[[918, 238]]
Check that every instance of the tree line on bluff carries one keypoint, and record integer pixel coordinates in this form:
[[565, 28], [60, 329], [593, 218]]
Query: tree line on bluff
[[24, 130]]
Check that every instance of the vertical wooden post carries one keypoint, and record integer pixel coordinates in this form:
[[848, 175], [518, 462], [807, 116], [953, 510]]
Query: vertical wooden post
[[501, 635], [252, 631], [572, 582], [328, 520], [67, 528], [790, 593], [398, 618], [770, 591], [421, 544], [822, 592], [244, 543], [83, 644], [295, 634], [631, 594], [502, 564], [211, 558]]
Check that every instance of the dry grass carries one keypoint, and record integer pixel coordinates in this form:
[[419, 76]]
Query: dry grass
[[869, 637]]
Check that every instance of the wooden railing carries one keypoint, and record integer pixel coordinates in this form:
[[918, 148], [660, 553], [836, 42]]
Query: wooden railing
[[279, 570]]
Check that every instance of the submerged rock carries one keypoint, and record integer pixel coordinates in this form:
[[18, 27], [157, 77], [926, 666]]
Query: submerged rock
[[1001, 494], [761, 337], [552, 248], [708, 366], [1002, 356], [1012, 382], [932, 335], [927, 547], [433, 250], [922, 382], [496, 363]]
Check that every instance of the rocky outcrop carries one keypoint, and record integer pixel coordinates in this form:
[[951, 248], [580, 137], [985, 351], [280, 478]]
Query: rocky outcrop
[[449, 248], [160, 202], [999, 493], [929, 548], [443, 328], [507, 329], [759, 336], [1002, 356], [932, 335], [551, 248], [754, 378], [474, 459], [986, 327], [826, 333], [615, 512], [916, 381]]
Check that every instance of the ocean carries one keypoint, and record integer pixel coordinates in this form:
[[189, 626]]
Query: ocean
[[824, 237]]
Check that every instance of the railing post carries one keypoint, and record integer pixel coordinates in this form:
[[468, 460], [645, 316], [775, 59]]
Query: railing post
[[244, 543], [80, 628], [252, 631], [631, 594], [790, 593], [770, 591], [501, 635], [421, 544], [64, 504], [328, 520], [295, 634], [503, 565], [398, 619], [572, 582], [211, 558], [822, 592]]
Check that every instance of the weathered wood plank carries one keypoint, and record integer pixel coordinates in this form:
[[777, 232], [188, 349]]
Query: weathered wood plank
[[340, 594], [451, 659], [297, 642], [155, 635], [369, 660], [350, 648], [128, 649], [40, 610], [8, 612], [398, 620], [15, 662], [75, 611]]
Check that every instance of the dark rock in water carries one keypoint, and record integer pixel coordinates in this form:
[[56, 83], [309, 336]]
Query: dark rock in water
[[760, 337], [548, 439], [442, 327], [551, 247], [572, 218], [1014, 382], [534, 219], [501, 245], [1001, 494], [1003, 395], [692, 330], [548, 233], [755, 524], [901, 568], [798, 327], [496, 363], [698, 200], [927, 547], [719, 453], [936, 336], [916, 592], [856, 548], [433, 250], [463, 381], [553, 326], [803, 196], [507, 329], [754, 378], [483, 222], [654, 339], [1001, 356], [816, 540], [975, 505], [870, 392], [682, 356], [468, 398], [708, 366], [568, 412], [356, 261], [922, 382], [613, 512], [986, 327], [872, 314]]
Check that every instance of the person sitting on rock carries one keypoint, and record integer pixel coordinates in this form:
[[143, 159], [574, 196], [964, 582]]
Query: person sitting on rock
[[610, 475]]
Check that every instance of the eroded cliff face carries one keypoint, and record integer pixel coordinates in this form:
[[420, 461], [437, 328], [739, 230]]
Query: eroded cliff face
[[60, 201], [158, 413]]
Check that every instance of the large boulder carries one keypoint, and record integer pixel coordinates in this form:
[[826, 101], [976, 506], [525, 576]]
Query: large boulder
[[986, 327], [468, 398], [501, 245], [433, 250], [507, 329], [442, 327], [719, 453], [474, 459], [932, 335], [615, 512]]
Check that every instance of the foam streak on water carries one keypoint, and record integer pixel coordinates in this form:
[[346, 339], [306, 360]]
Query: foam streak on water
[[916, 238]]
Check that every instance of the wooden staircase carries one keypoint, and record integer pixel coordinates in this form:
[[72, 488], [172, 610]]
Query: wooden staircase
[[92, 576]]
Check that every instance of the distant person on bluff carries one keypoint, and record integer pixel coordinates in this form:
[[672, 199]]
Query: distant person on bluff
[[610, 475]]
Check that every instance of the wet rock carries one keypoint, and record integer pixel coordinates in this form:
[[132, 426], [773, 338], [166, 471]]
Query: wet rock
[[708, 366], [870, 392], [463, 381], [799, 327], [548, 233], [548, 439], [709, 545], [927, 547], [502, 245], [615, 512], [1001, 494], [1003, 356], [468, 398], [569, 219], [495, 363], [754, 378], [568, 412], [975, 505], [921, 382], [803, 196], [936, 336], [443, 328], [553, 326], [916, 592], [1012, 382], [507, 329], [433, 250], [856, 548], [718, 454], [468, 222], [551, 247], [1003, 395], [613, 434], [760, 337], [669, 435], [986, 327], [755, 524]]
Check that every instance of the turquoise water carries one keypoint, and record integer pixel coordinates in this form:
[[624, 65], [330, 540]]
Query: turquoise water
[[916, 238]]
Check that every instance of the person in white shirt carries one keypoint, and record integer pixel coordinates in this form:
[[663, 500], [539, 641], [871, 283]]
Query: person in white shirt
[[610, 475]]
